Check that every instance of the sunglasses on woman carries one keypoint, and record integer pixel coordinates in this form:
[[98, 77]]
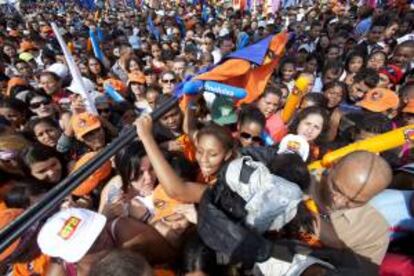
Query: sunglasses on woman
[[248, 136], [168, 80], [39, 104]]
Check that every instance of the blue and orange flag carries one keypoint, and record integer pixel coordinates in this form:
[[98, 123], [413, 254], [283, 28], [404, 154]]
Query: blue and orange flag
[[251, 67]]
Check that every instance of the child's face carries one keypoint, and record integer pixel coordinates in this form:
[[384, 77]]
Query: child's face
[[288, 72], [355, 64], [151, 98]]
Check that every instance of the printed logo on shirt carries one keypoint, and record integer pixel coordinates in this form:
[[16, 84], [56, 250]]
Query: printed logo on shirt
[[409, 135], [69, 227]]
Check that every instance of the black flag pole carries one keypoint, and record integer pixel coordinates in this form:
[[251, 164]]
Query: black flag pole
[[53, 198]]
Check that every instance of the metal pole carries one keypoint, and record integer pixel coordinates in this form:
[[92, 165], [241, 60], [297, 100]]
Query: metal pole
[[51, 200]]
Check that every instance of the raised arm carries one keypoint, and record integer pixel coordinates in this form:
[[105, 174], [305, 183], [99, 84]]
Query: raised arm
[[174, 186]]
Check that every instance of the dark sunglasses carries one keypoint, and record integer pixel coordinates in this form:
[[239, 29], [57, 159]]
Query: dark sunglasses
[[103, 110], [168, 81], [39, 104], [248, 136]]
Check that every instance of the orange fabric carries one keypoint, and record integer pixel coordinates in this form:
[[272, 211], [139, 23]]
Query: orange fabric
[[210, 180], [117, 85], [7, 216], [36, 267], [164, 272], [164, 205], [94, 179], [26, 46], [84, 123], [189, 149], [409, 108], [89, 45], [380, 100], [71, 47], [239, 73], [14, 81], [2, 206], [138, 77]]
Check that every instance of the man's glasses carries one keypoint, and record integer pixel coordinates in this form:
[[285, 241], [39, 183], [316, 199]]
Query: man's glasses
[[248, 136]]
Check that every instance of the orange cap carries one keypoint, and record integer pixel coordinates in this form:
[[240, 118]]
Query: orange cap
[[15, 81], [136, 77], [27, 46], [7, 216], [409, 108], [379, 100], [117, 85], [95, 178], [83, 123], [164, 205]]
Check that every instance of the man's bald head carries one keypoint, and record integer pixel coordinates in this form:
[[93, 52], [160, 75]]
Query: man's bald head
[[355, 179]]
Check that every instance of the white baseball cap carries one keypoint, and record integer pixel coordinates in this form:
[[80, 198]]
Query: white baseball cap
[[294, 144], [59, 69], [70, 233]]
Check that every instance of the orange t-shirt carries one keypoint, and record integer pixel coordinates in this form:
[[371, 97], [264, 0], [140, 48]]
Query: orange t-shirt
[[36, 267]]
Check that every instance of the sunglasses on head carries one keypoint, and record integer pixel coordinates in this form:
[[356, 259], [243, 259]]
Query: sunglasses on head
[[39, 104], [248, 136]]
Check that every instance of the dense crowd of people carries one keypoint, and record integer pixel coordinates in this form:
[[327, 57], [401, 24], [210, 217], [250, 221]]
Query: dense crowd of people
[[213, 187]]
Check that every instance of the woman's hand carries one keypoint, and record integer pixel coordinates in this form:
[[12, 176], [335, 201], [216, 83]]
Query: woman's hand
[[144, 126], [114, 209]]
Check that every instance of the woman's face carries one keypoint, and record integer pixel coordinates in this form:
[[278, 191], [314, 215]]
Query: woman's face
[[46, 134], [355, 64], [288, 72], [137, 89], [210, 154], [145, 180], [334, 96], [324, 42], [376, 61], [310, 127], [15, 117], [311, 66], [49, 84], [249, 134], [156, 52], [42, 107], [9, 161], [269, 104], [133, 66], [167, 83], [390, 31], [49, 171], [9, 51], [94, 66]]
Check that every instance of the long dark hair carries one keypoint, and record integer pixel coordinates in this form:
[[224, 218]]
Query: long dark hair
[[127, 162]]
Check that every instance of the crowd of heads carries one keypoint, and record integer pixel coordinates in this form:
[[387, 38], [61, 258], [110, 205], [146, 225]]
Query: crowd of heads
[[140, 207]]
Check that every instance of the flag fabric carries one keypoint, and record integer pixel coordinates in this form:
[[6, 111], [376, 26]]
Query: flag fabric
[[251, 67]]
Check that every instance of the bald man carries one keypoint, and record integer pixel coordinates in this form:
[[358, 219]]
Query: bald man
[[346, 219]]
